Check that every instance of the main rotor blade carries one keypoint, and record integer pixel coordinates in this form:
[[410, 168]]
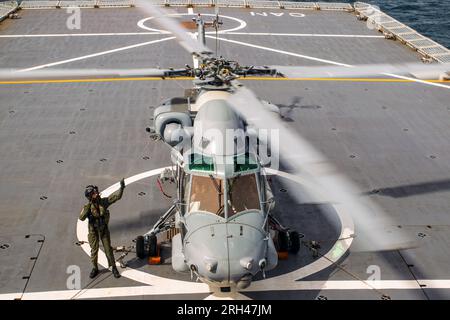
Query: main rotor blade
[[374, 229], [419, 71], [162, 17], [62, 74]]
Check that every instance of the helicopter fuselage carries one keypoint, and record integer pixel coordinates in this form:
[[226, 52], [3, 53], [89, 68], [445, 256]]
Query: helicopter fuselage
[[223, 195]]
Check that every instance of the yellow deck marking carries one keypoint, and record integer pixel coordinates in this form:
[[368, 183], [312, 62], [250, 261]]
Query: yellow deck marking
[[382, 80]]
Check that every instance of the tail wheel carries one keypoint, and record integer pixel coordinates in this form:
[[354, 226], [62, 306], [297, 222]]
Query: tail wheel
[[294, 242], [152, 246], [140, 247]]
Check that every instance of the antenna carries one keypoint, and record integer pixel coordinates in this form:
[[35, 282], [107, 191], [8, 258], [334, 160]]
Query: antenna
[[216, 25]]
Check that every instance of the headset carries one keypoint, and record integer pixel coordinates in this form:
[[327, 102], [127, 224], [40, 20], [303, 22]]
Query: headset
[[90, 189]]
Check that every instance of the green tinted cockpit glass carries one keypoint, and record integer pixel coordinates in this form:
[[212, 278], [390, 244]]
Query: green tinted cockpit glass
[[200, 162], [245, 162]]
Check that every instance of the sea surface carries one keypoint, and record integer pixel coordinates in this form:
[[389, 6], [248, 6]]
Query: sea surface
[[428, 17]]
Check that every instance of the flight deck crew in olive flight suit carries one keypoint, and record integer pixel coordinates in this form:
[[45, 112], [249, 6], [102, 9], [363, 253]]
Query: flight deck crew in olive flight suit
[[98, 215]]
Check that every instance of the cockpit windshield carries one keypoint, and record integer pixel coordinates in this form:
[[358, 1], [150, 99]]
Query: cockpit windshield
[[242, 194], [207, 194]]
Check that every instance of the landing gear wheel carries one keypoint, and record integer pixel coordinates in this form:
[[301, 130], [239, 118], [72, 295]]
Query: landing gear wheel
[[152, 246], [294, 242], [283, 241], [140, 247]]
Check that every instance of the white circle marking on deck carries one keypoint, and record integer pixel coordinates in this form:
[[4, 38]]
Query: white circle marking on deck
[[242, 23], [297, 15], [288, 279]]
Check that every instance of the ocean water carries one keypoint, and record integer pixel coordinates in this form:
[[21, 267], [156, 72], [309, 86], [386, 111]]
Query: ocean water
[[428, 17]]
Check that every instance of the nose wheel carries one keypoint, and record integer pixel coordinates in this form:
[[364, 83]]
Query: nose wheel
[[146, 246], [294, 241], [288, 241], [285, 239]]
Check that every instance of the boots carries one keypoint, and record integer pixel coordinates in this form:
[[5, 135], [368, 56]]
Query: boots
[[93, 273], [115, 272]]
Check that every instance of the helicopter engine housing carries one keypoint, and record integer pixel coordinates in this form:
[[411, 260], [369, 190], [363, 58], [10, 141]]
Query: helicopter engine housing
[[171, 118]]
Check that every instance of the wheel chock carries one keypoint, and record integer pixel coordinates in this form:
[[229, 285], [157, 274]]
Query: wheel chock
[[282, 255], [154, 260]]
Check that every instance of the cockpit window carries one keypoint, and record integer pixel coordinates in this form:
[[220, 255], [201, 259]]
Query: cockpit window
[[207, 195], [245, 162], [242, 194], [200, 162]]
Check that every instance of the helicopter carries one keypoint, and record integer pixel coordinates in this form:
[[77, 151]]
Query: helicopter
[[221, 227]]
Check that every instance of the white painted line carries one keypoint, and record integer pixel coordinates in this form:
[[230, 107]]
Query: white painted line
[[96, 54], [56, 35], [52, 35], [53, 7], [281, 51], [190, 10], [171, 290], [96, 293], [328, 61], [418, 80], [359, 285], [12, 296], [242, 23], [304, 35]]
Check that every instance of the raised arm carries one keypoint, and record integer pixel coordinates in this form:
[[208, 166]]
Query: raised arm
[[117, 195]]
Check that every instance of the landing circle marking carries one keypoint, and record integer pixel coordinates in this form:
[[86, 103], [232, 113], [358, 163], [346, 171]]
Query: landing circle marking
[[242, 23], [176, 286]]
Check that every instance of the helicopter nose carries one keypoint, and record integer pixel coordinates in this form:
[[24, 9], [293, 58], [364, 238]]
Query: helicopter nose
[[247, 250], [226, 253]]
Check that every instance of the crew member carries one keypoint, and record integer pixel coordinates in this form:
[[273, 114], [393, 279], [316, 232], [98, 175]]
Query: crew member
[[98, 215]]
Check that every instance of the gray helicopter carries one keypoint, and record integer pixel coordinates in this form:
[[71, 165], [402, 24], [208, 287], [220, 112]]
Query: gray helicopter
[[220, 227]]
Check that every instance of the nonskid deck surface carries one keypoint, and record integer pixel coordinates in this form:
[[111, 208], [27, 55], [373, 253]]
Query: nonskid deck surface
[[390, 137]]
